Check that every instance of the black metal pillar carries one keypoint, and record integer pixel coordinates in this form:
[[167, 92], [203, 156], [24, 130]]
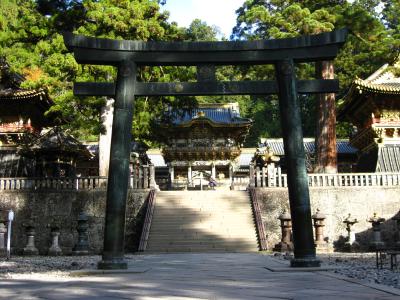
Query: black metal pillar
[[118, 178], [304, 248]]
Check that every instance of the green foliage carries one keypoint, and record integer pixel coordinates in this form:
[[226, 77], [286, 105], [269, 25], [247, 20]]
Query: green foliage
[[200, 31], [30, 39], [369, 45]]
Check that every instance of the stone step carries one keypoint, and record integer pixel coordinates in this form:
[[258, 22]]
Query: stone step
[[182, 243], [204, 218], [203, 202], [234, 242], [200, 250], [206, 221], [188, 233], [205, 225]]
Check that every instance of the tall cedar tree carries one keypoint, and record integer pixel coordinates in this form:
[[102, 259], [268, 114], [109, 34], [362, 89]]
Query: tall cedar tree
[[368, 46]]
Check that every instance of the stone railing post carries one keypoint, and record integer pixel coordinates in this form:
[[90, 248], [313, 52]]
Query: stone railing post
[[153, 183], [251, 176], [145, 177], [258, 177]]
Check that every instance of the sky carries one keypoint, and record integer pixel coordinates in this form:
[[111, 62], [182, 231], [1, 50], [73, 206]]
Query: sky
[[220, 13]]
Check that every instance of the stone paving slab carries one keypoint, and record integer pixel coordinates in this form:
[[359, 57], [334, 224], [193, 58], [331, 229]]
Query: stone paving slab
[[197, 276]]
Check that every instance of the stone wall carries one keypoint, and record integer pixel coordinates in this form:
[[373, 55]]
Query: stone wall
[[336, 203], [46, 207]]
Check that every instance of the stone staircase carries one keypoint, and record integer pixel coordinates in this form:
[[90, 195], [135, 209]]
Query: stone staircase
[[202, 221]]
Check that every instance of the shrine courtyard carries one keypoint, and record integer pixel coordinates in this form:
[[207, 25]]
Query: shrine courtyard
[[196, 276]]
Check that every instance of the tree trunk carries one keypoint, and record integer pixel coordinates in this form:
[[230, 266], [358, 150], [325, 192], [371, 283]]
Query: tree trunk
[[105, 139], [325, 140]]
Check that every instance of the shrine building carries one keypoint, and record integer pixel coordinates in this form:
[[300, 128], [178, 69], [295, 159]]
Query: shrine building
[[204, 143], [23, 110], [22, 116], [28, 148], [373, 107]]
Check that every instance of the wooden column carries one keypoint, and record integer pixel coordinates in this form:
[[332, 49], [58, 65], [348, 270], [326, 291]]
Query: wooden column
[[303, 240], [114, 232]]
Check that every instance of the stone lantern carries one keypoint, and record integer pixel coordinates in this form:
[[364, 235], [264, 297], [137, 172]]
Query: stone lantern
[[3, 231], [55, 249], [319, 224], [82, 246], [30, 248], [351, 242], [397, 233], [286, 228], [376, 222]]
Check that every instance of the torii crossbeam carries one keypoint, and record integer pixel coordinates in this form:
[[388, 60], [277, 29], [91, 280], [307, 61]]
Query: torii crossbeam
[[283, 53]]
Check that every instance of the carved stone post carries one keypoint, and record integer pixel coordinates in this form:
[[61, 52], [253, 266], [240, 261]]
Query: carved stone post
[[117, 188], [30, 248], [258, 177], [153, 183], [252, 183], [376, 242], [171, 177], [55, 249], [286, 228], [190, 180], [82, 246], [304, 248]]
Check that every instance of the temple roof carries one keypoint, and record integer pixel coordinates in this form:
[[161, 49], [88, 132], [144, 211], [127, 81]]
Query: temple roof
[[10, 87], [384, 80], [276, 146], [381, 90], [380, 159], [388, 159], [57, 141], [213, 113]]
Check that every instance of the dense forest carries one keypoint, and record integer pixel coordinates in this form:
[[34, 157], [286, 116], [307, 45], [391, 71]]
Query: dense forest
[[31, 42]]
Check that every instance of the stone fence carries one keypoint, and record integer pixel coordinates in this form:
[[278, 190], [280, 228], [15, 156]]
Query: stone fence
[[336, 203], [44, 209], [142, 178], [267, 177]]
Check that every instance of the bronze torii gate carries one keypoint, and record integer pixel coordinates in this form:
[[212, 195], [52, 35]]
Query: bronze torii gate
[[128, 55]]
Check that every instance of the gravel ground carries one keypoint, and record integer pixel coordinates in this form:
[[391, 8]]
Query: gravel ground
[[360, 266]]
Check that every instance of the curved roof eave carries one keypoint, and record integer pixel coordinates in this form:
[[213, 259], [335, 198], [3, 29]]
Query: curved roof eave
[[244, 123]]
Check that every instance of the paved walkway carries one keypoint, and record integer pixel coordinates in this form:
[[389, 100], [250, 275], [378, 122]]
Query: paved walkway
[[197, 276]]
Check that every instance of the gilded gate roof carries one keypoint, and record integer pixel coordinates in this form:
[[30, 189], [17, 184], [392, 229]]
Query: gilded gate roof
[[214, 113]]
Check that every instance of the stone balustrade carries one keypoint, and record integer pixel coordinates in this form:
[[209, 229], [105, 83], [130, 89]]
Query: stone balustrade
[[263, 178], [142, 179]]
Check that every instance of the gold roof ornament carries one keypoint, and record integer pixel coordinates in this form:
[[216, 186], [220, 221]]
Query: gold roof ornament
[[201, 114]]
